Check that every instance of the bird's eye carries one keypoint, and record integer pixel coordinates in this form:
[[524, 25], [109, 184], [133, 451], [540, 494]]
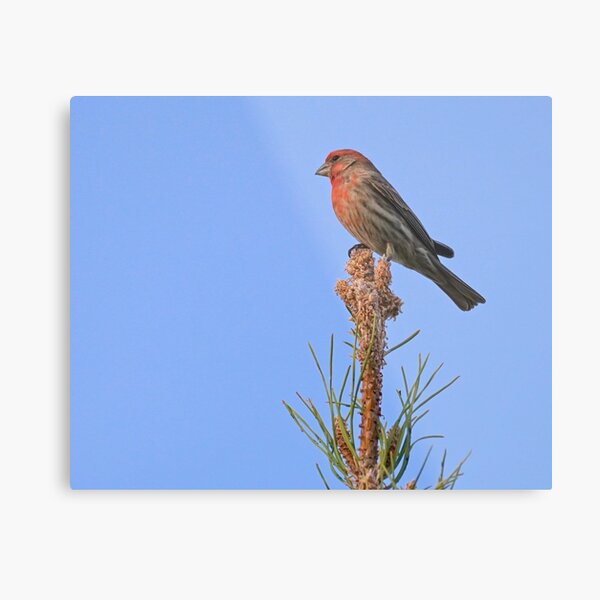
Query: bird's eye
[[335, 157]]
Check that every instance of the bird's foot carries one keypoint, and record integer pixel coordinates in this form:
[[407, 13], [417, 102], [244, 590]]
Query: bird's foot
[[357, 247]]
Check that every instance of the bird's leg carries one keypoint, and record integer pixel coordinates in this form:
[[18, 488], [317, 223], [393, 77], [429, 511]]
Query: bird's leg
[[357, 247], [389, 251]]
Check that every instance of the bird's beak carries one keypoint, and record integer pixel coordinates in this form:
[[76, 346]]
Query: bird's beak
[[323, 170]]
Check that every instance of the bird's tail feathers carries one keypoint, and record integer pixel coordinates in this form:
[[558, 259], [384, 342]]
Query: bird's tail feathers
[[463, 295]]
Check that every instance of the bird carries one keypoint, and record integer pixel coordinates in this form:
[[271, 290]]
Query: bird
[[374, 213]]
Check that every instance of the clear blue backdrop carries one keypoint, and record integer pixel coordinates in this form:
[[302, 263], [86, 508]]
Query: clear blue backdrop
[[204, 253]]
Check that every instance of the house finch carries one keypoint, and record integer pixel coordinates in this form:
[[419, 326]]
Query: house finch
[[374, 213]]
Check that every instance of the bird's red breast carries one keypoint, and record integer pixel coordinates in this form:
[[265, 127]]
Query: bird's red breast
[[341, 188], [348, 172], [344, 180]]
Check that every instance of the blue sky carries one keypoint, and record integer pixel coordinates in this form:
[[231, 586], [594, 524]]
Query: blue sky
[[204, 252]]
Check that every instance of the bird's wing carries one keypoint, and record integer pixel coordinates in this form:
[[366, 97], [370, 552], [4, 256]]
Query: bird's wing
[[443, 250], [394, 201]]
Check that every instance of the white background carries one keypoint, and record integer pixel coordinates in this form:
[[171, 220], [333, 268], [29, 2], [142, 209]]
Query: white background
[[59, 543]]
